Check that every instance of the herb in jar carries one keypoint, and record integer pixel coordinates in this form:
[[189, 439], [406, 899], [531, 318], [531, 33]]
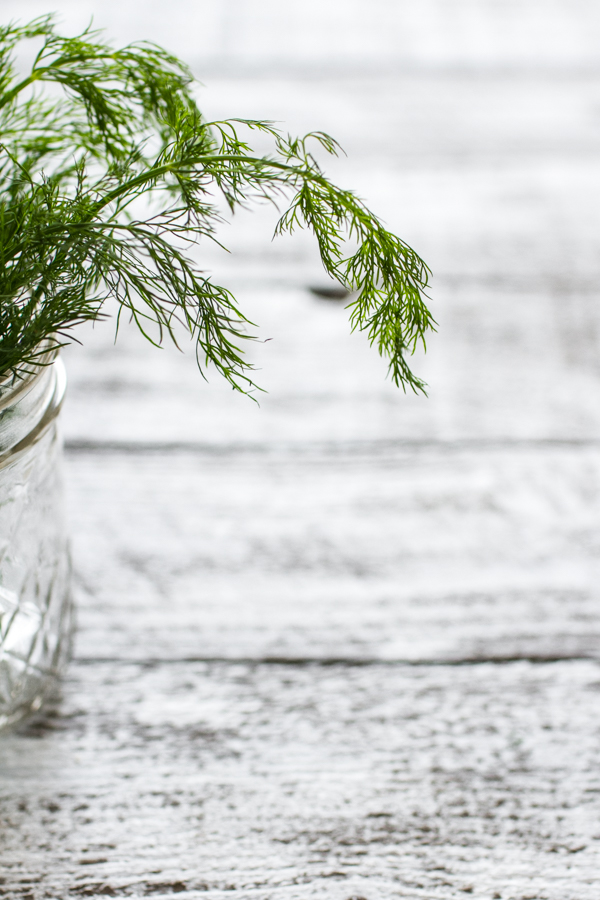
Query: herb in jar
[[88, 133]]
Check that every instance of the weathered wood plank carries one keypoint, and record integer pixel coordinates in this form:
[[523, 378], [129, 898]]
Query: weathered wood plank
[[294, 782], [263, 33], [489, 377], [324, 539], [494, 180], [423, 553]]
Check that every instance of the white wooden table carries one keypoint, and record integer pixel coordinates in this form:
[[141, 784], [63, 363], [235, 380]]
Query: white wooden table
[[345, 645]]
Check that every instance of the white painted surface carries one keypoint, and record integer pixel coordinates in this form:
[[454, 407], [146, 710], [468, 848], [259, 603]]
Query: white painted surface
[[342, 520], [278, 782], [374, 32], [416, 554]]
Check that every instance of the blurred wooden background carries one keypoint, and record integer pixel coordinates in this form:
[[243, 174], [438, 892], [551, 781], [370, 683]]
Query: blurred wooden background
[[344, 645]]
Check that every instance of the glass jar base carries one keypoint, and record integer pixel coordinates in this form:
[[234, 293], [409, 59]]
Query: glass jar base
[[24, 689]]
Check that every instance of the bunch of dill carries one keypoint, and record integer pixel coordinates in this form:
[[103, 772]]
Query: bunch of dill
[[90, 132]]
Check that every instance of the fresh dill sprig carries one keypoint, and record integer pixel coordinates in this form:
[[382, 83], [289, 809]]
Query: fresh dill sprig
[[118, 126]]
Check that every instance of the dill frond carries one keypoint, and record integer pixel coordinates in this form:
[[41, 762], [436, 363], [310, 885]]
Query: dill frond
[[120, 125]]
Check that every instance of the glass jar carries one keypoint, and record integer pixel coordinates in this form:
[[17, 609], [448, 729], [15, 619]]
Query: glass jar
[[35, 605]]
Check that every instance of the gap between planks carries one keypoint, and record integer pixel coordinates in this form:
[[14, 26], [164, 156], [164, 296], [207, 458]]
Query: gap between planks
[[341, 661], [79, 447]]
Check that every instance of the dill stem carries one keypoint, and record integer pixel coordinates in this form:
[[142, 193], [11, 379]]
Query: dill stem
[[10, 95], [182, 166]]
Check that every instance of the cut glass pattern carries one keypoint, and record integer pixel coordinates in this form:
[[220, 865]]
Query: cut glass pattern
[[34, 571]]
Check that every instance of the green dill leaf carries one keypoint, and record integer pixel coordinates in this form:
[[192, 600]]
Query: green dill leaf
[[120, 125]]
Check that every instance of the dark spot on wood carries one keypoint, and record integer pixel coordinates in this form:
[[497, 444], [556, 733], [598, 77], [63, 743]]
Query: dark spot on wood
[[95, 890], [167, 887], [329, 292], [50, 806]]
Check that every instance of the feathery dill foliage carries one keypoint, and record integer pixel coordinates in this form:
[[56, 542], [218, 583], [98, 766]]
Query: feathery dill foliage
[[119, 125]]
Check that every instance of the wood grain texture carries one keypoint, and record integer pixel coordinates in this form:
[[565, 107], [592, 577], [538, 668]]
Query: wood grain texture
[[407, 554], [495, 181], [314, 658], [264, 34], [506, 364], [214, 781]]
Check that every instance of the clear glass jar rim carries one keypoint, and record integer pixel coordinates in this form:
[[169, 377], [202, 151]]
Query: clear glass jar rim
[[24, 383]]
